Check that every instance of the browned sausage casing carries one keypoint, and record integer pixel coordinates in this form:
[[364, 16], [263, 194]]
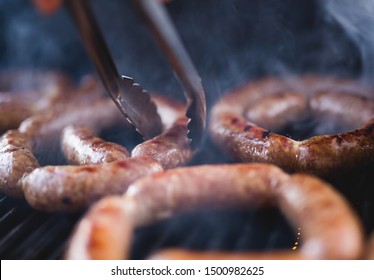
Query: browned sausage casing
[[81, 147], [70, 188], [326, 219], [43, 131], [172, 147], [322, 155], [107, 241], [22, 94], [16, 161]]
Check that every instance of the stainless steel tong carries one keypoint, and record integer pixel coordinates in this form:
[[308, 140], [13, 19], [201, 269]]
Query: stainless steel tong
[[133, 102], [163, 30]]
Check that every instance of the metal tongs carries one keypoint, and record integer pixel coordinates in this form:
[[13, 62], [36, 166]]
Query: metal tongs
[[133, 102], [162, 28]]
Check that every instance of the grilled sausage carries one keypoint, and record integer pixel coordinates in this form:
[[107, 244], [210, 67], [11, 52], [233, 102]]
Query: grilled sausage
[[26, 94], [43, 132], [47, 127], [172, 147], [71, 188], [348, 109], [277, 110], [23, 94], [81, 147], [106, 241], [12, 113], [16, 161], [322, 155], [324, 215]]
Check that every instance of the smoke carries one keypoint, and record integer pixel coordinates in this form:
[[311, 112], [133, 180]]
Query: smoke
[[357, 20], [230, 41]]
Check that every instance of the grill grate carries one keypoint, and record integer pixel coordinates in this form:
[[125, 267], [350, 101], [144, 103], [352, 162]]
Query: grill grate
[[29, 234], [225, 230]]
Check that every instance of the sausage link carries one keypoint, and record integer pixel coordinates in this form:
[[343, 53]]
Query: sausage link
[[22, 94], [71, 188], [278, 110], [321, 155], [106, 241], [324, 215], [12, 113], [47, 127], [326, 219], [16, 161], [171, 148], [81, 147], [350, 110], [42, 132]]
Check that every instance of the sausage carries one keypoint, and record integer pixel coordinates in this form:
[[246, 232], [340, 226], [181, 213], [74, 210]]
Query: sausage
[[16, 161], [321, 155], [17, 157], [71, 188], [172, 147], [47, 127], [349, 109], [81, 147], [12, 113], [21, 96], [324, 215], [278, 110], [27, 94], [106, 241], [42, 130]]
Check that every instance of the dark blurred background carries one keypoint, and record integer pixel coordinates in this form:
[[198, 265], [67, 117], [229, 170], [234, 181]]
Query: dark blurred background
[[231, 41]]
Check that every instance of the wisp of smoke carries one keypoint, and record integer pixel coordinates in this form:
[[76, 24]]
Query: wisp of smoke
[[357, 20]]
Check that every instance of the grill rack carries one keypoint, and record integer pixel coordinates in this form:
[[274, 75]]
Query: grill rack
[[29, 234]]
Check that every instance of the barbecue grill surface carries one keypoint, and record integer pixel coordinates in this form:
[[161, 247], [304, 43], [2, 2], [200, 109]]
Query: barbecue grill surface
[[231, 42]]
